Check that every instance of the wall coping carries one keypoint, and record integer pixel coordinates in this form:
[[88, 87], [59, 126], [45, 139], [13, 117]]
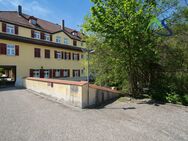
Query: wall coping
[[68, 82], [103, 88], [57, 81]]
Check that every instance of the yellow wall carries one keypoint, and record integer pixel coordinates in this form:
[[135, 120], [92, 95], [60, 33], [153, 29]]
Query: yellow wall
[[26, 59], [26, 32], [62, 35]]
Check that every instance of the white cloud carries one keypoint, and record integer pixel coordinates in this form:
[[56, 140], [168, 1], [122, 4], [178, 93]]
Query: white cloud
[[32, 7]]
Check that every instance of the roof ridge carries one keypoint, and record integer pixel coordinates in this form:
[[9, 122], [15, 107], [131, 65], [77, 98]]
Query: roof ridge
[[8, 11]]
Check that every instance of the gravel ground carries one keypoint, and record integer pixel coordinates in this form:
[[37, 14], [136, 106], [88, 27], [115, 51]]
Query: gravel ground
[[24, 116]]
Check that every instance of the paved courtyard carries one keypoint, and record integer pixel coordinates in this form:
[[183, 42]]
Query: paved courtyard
[[24, 116]]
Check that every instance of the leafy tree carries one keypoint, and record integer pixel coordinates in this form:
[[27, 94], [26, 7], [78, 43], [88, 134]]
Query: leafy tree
[[130, 47]]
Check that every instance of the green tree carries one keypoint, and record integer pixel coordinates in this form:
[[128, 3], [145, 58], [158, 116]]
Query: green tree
[[130, 48]]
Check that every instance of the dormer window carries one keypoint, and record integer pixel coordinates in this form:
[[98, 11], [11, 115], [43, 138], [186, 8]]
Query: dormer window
[[47, 37], [10, 29], [33, 20], [58, 39], [75, 33], [37, 35]]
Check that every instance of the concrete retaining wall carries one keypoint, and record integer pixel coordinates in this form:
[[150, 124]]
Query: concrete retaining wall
[[72, 92]]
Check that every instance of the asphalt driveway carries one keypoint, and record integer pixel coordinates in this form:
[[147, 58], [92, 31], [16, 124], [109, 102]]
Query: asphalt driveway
[[25, 116]]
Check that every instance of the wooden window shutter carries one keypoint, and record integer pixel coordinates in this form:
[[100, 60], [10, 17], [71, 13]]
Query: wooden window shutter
[[17, 50], [41, 73], [39, 52], [54, 72], [50, 73], [65, 55], [3, 48], [4, 27], [79, 73], [78, 56], [31, 73], [62, 55], [16, 30], [45, 53], [32, 33], [69, 56], [50, 37], [42, 35], [55, 54], [72, 56], [62, 73], [68, 73]]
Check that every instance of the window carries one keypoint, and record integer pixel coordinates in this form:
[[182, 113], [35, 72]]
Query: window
[[76, 73], [59, 55], [66, 41], [75, 56], [33, 21], [47, 37], [57, 73], [75, 33], [67, 56], [58, 39], [10, 29], [65, 73], [11, 50], [37, 35], [37, 52], [74, 43], [36, 73], [47, 53], [46, 73], [82, 56], [82, 44]]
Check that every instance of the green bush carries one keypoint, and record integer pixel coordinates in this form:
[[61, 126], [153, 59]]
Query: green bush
[[173, 98], [184, 100]]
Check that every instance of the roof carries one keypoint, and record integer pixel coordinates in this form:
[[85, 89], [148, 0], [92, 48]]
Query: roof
[[42, 25]]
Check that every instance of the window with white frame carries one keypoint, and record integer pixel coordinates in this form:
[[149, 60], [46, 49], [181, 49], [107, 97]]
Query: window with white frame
[[66, 73], [76, 73], [11, 50], [47, 37], [59, 55], [36, 73], [57, 73], [10, 29], [58, 39], [46, 74], [66, 41], [37, 35]]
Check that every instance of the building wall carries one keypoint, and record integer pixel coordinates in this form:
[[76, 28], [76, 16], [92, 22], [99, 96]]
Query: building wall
[[70, 94], [74, 93], [26, 32], [26, 60]]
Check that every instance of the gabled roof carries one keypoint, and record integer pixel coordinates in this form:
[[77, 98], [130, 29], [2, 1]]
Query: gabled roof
[[42, 25]]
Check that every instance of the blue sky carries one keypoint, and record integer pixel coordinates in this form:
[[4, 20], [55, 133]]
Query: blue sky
[[72, 11]]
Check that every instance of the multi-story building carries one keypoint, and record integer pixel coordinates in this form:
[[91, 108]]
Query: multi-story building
[[30, 46]]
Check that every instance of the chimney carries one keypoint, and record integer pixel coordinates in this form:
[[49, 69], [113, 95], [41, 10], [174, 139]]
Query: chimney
[[20, 9], [63, 25]]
